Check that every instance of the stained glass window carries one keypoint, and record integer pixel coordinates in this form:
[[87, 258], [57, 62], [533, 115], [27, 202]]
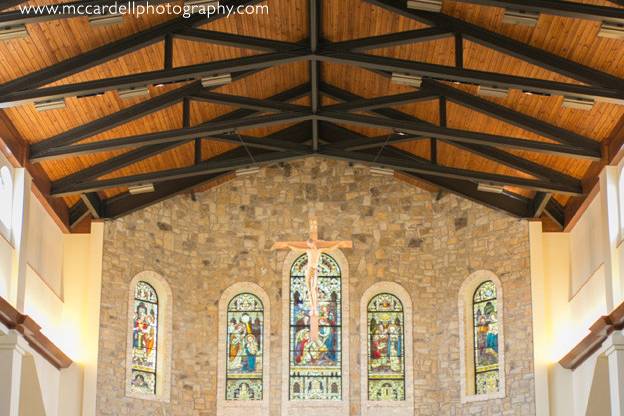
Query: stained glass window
[[245, 323], [316, 364], [386, 349], [485, 316], [144, 339]]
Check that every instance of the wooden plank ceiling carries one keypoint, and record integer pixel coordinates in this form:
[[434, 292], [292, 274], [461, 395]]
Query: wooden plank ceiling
[[553, 179]]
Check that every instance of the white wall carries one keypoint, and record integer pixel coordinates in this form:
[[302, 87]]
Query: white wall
[[55, 279]]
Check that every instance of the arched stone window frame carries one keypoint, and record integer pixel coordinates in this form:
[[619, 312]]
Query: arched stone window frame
[[316, 407], [164, 340], [6, 199], [252, 407], [398, 408], [466, 336]]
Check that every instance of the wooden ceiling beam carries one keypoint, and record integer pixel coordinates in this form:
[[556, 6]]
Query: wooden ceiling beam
[[558, 8], [392, 39], [210, 166], [189, 133], [144, 152], [367, 104], [116, 119], [419, 165], [7, 4], [265, 105], [517, 119], [95, 57], [470, 76], [507, 45], [235, 40], [454, 135], [177, 74]]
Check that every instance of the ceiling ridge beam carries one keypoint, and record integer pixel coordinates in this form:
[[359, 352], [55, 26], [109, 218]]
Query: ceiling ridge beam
[[471, 76], [237, 41], [391, 39], [507, 45], [144, 152], [516, 118], [207, 129], [559, 8], [177, 74]]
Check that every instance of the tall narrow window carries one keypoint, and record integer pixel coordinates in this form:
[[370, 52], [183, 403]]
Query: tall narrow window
[[315, 371], [244, 361], [6, 200], [386, 349], [144, 340], [485, 317]]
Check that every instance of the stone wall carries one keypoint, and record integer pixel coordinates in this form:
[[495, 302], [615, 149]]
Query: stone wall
[[401, 233]]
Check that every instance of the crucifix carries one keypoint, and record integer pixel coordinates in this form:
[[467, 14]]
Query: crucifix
[[313, 247]]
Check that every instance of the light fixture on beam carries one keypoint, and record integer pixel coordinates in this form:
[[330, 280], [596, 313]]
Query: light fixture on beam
[[406, 79], [216, 80], [47, 105], [611, 30], [133, 92], [13, 32], [577, 103], [491, 188], [426, 5], [254, 170], [145, 188], [381, 171], [520, 17], [105, 19], [496, 92]]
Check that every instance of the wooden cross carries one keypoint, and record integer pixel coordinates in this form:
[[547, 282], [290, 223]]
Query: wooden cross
[[313, 247]]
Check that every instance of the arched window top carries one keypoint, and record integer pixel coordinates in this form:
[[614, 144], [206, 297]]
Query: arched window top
[[385, 302], [486, 291], [145, 292], [245, 302], [328, 267], [6, 197]]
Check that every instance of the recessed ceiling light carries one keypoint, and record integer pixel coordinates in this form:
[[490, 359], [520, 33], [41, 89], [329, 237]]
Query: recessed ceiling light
[[141, 189], [491, 188], [577, 103], [520, 17], [426, 5], [216, 80], [50, 104], [248, 171], [487, 91], [381, 171], [13, 32], [611, 30], [406, 79], [105, 19], [133, 92]]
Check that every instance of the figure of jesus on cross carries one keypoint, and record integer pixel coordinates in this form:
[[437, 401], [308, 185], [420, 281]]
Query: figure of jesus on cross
[[313, 247]]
